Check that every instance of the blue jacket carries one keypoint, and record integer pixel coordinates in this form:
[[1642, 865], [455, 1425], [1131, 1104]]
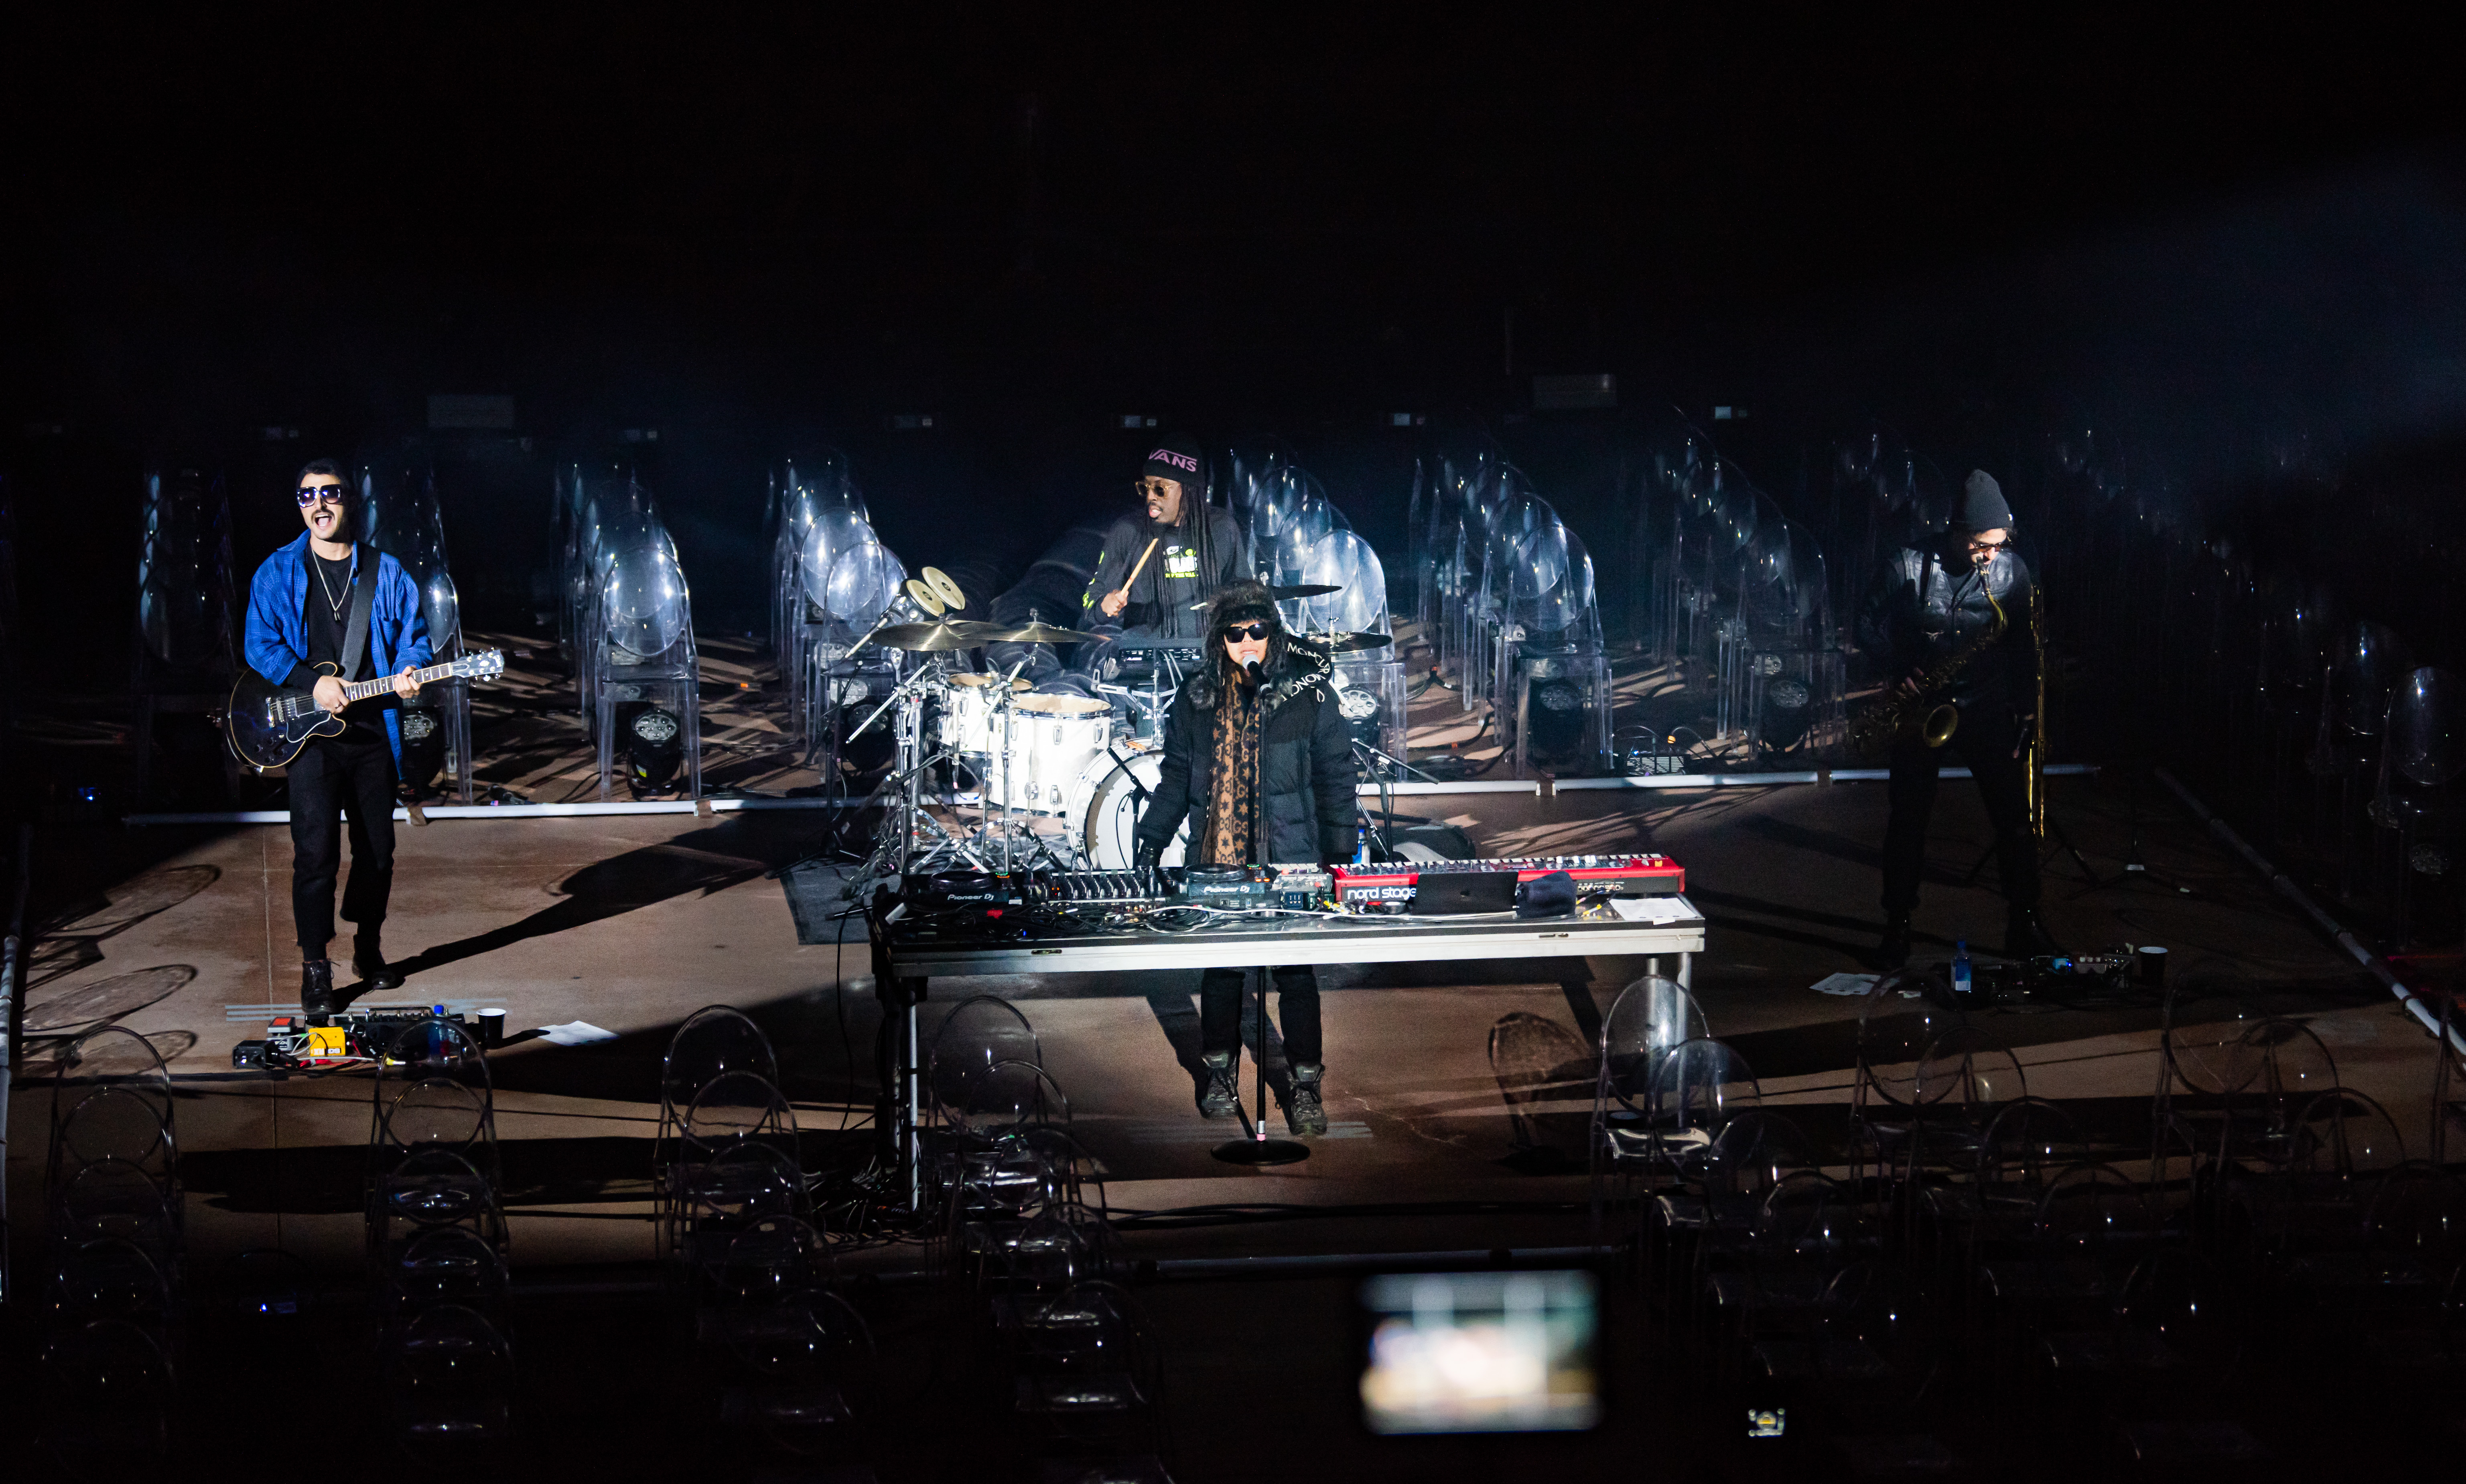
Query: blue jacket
[[277, 621]]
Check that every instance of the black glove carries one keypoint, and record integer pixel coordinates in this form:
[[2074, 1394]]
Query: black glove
[[1148, 857]]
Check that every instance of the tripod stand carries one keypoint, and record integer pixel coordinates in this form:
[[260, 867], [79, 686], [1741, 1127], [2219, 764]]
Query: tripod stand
[[1254, 1146]]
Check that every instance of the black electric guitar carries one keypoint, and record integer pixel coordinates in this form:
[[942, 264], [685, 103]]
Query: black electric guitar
[[267, 724]]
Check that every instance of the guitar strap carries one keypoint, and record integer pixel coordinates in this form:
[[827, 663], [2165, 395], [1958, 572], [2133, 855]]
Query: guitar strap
[[356, 635]]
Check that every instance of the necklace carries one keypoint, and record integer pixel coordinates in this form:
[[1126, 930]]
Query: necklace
[[331, 601]]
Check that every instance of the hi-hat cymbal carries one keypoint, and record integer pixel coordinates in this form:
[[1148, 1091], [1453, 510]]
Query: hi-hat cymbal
[[1348, 643], [1038, 632], [940, 636], [951, 596], [1286, 594]]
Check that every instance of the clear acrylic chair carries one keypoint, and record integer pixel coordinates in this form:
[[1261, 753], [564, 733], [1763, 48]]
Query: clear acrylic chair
[[111, 1099], [711, 1043], [449, 1385], [1086, 1366], [978, 1032], [1649, 1017], [106, 1399]]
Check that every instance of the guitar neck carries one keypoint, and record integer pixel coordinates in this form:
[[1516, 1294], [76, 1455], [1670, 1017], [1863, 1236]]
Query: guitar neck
[[361, 691]]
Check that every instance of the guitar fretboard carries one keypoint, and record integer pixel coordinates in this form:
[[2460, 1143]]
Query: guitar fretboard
[[360, 690]]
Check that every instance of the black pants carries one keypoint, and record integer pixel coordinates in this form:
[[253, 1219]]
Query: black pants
[[1983, 743], [331, 778], [1220, 1010]]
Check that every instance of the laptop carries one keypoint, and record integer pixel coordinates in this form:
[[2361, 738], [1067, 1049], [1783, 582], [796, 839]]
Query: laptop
[[1460, 893]]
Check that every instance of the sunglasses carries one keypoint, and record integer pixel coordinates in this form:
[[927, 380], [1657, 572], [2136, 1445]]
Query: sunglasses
[[310, 494], [1241, 631], [1152, 486], [1991, 546]]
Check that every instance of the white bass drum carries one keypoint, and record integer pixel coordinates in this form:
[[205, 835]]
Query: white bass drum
[[1103, 809]]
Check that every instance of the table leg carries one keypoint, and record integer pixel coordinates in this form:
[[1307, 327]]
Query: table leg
[[901, 1083], [1687, 972]]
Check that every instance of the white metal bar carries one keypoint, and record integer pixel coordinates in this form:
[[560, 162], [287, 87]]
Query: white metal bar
[[1468, 786], [1541, 938]]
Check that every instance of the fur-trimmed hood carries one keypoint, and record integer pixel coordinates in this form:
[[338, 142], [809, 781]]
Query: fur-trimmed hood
[[1304, 665]]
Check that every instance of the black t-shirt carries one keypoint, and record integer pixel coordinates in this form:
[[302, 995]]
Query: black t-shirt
[[325, 631]]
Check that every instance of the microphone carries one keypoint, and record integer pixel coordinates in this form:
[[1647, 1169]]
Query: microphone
[[1252, 667]]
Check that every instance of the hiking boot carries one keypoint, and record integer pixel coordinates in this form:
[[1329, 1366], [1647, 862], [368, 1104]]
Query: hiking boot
[[1303, 1113], [1219, 1098]]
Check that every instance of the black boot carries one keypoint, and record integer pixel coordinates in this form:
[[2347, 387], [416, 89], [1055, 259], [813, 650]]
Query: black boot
[[1303, 1113], [1218, 1099], [317, 989], [1894, 950], [2025, 937], [368, 961]]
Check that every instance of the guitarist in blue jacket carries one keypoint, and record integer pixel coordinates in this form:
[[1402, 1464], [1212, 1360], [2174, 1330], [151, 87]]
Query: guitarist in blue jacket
[[302, 612]]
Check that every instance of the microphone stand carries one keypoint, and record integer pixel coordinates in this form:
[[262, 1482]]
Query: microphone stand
[[1254, 1147]]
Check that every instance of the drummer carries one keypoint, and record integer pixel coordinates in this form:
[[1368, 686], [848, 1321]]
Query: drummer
[[1180, 548]]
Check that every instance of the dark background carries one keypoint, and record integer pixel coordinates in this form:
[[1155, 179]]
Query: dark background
[[240, 238]]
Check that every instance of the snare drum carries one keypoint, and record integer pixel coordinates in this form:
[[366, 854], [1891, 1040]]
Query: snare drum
[[1052, 740], [967, 724]]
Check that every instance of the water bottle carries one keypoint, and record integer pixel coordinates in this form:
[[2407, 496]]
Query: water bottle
[[1961, 969]]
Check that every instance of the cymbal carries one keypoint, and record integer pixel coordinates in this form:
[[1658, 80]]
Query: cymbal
[[940, 636], [1346, 643], [1286, 594], [923, 595], [941, 583], [1037, 633]]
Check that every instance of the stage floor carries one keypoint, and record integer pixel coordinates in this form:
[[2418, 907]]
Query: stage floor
[[632, 923]]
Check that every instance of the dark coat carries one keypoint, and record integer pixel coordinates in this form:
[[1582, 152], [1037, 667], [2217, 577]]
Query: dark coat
[[1306, 770], [1920, 609]]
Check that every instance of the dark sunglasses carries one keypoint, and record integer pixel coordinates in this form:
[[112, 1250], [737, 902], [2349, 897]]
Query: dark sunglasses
[[310, 494], [1247, 631]]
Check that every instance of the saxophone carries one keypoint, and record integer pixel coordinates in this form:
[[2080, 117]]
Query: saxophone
[[1923, 713]]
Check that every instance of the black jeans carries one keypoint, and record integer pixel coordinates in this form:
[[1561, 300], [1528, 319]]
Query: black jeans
[[1220, 1010], [328, 779], [1983, 743]]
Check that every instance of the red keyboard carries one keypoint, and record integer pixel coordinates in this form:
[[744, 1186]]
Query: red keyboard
[[1621, 875]]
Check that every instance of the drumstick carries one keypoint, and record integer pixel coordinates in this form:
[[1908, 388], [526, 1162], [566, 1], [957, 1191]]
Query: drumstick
[[1134, 569]]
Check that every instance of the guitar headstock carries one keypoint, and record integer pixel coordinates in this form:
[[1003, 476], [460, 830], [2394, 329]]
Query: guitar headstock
[[483, 666]]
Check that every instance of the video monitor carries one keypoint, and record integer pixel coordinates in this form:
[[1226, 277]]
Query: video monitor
[[1480, 1352]]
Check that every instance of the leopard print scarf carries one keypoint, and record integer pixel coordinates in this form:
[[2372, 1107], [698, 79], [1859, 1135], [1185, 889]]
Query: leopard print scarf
[[1233, 802]]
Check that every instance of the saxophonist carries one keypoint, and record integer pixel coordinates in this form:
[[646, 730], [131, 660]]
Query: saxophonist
[[1955, 621]]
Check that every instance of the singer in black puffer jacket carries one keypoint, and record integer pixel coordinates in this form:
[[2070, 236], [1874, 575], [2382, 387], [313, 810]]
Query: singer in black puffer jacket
[[1259, 766]]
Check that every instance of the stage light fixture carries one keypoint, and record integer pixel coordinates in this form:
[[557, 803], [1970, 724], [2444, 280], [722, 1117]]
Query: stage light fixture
[[654, 748], [1557, 718]]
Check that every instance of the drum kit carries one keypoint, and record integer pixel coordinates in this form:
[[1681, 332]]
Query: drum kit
[[1087, 764]]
